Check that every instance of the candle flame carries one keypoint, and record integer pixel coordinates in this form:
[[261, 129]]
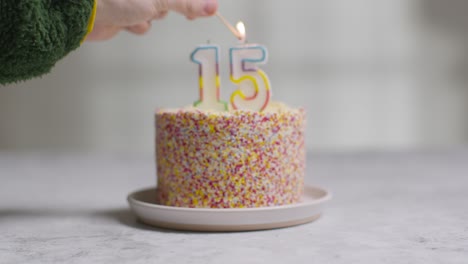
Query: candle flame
[[241, 30]]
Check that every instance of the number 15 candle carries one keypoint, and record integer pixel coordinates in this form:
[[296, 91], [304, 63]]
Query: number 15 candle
[[253, 86]]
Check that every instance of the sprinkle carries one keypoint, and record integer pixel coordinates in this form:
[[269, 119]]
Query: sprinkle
[[230, 159]]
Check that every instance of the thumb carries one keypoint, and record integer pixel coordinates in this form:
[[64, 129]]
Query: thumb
[[192, 8]]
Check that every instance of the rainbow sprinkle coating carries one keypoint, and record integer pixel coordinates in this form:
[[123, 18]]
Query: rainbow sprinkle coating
[[231, 159]]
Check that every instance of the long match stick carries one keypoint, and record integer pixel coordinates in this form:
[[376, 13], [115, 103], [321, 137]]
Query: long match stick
[[229, 26]]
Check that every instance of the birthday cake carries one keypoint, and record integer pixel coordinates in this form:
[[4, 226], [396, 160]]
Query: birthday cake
[[230, 159]]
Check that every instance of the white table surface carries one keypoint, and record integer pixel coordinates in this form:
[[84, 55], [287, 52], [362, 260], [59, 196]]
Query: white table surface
[[387, 208]]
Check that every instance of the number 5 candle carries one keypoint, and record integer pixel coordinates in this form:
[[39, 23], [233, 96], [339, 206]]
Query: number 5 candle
[[254, 90]]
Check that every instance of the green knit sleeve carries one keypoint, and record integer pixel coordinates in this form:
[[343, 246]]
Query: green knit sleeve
[[35, 34]]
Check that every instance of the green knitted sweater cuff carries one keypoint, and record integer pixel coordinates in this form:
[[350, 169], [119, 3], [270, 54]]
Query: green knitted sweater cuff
[[35, 34]]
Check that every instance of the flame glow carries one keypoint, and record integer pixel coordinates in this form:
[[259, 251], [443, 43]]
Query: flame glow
[[241, 29]]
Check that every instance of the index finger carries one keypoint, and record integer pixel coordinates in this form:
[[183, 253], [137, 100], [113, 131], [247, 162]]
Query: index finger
[[193, 8]]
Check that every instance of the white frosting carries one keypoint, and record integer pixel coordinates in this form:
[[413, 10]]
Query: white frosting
[[273, 107]]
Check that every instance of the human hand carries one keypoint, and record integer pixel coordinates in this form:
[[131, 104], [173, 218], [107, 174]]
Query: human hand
[[135, 16]]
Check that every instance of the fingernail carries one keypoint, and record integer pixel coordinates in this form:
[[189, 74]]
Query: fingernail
[[210, 7]]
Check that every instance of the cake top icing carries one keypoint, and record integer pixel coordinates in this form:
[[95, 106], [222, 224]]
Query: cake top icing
[[273, 107]]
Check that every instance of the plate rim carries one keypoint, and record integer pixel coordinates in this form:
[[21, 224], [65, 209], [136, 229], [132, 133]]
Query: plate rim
[[230, 227], [132, 200]]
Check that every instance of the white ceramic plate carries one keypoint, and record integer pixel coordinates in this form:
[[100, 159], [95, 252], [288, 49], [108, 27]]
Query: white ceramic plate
[[143, 204]]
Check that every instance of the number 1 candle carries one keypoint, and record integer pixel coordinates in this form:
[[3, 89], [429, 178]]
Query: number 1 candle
[[207, 57]]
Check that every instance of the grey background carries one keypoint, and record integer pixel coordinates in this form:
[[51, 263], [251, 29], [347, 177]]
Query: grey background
[[372, 74]]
